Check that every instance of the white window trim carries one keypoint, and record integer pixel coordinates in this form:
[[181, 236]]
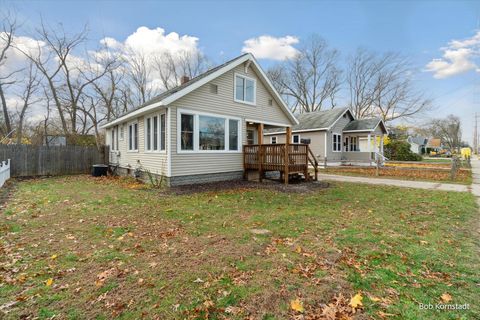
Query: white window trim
[[341, 142], [196, 115], [159, 133], [271, 140], [128, 133], [235, 75], [299, 138]]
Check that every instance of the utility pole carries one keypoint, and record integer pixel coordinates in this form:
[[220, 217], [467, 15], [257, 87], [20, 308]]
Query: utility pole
[[476, 136]]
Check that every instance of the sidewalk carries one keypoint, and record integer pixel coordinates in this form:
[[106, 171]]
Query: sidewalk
[[407, 183], [476, 178]]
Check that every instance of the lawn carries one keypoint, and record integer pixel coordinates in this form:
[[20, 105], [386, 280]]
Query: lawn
[[86, 248], [405, 172]]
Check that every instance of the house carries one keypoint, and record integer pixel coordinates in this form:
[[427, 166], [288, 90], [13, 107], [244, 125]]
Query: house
[[335, 135], [417, 144], [197, 132]]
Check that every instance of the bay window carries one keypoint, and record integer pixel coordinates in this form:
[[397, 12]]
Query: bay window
[[244, 89], [208, 133]]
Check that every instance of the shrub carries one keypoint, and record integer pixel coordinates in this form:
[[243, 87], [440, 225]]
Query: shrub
[[398, 150]]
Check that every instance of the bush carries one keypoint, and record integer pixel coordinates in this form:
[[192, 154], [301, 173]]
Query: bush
[[398, 150]]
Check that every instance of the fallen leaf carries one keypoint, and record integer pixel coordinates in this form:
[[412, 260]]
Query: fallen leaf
[[446, 297], [53, 257], [49, 282], [297, 305], [356, 301]]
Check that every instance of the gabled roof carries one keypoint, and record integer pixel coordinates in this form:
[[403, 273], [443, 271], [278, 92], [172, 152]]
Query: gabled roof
[[421, 141], [314, 121], [171, 95], [366, 125]]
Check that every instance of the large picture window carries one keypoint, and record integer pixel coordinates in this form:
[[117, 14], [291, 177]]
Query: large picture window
[[337, 142], [133, 137], [211, 133], [155, 133], [204, 133], [244, 89]]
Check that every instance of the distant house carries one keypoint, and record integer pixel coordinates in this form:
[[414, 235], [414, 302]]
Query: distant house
[[335, 134], [434, 144], [417, 144]]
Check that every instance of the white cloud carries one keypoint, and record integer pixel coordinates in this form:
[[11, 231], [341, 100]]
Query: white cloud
[[268, 47], [458, 57]]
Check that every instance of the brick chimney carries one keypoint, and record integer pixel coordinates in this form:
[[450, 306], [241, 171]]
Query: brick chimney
[[184, 79]]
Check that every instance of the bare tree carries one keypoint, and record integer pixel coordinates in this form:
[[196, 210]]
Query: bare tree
[[311, 80], [139, 74], [67, 75], [7, 33], [27, 98], [449, 130], [382, 85], [172, 67]]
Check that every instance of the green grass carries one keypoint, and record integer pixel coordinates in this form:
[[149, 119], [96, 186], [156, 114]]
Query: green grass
[[117, 252]]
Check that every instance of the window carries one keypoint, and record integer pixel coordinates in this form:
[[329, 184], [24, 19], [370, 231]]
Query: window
[[155, 133], [353, 144], [186, 132], [244, 89], [337, 142], [273, 140], [163, 135], [114, 138], [270, 102], [250, 136], [121, 132], [232, 135], [148, 134], [155, 137], [133, 137], [211, 133], [296, 138], [203, 133]]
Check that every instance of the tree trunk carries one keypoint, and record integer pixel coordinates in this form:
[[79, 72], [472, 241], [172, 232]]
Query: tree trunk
[[8, 125]]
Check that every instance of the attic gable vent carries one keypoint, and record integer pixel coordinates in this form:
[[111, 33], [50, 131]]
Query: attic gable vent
[[213, 88]]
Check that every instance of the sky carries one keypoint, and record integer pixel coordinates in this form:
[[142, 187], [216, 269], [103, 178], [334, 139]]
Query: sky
[[441, 38]]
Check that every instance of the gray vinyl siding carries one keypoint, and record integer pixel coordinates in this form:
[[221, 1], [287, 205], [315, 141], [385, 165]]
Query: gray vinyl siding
[[222, 103], [155, 162], [338, 129], [317, 141]]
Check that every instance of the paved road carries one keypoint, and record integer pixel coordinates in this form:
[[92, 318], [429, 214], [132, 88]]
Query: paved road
[[403, 183]]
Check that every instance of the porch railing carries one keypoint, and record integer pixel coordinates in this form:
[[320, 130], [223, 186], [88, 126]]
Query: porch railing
[[287, 159]]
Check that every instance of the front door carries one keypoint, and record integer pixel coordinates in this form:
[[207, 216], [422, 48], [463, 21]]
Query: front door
[[251, 136]]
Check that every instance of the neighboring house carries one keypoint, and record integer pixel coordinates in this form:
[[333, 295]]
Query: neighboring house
[[335, 134], [195, 132], [417, 144], [434, 144]]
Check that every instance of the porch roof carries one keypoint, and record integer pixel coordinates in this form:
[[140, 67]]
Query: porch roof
[[366, 125]]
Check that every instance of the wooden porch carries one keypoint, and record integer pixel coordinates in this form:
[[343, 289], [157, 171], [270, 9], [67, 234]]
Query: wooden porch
[[287, 159]]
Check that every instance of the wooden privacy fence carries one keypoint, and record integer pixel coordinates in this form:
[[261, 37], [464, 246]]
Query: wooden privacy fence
[[27, 160], [4, 172]]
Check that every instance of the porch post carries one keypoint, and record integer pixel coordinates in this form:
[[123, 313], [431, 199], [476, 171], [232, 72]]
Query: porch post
[[381, 144], [375, 147], [288, 138], [369, 143], [260, 151]]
